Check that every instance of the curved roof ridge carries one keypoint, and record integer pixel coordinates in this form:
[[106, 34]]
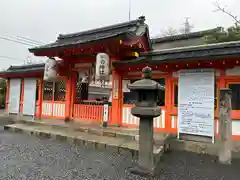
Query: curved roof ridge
[[140, 20]]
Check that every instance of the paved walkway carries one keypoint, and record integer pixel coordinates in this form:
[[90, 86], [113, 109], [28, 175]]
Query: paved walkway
[[85, 124], [33, 158]]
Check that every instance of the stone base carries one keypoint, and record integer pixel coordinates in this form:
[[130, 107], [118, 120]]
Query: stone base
[[138, 170], [105, 124], [67, 119]]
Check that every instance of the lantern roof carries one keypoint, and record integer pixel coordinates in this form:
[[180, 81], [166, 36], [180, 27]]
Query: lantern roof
[[129, 29]]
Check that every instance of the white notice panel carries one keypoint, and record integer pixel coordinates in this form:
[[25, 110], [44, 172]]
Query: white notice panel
[[196, 102], [29, 100], [14, 95]]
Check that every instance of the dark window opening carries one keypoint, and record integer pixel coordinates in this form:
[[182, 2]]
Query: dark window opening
[[215, 95], [235, 96], [47, 91], [81, 91], [37, 89], [59, 91], [131, 97], [161, 95], [175, 95]]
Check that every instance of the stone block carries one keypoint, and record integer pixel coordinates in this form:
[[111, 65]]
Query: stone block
[[112, 148], [36, 133], [79, 141], [90, 144], [28, 132], [123, 150], [61, 137], [82, 129], [109, 134], [71, 139], [45, 134], [98, 132], [18, 130], [100, 146], [125, 136]]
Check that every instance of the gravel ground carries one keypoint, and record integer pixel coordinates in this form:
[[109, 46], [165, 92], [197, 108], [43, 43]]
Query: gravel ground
[[29, 158]]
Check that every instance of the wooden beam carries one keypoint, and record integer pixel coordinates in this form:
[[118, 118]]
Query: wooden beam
[[130, 54]]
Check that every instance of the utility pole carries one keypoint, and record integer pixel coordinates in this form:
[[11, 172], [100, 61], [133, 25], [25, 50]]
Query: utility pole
[[187, 27], [129, 10]]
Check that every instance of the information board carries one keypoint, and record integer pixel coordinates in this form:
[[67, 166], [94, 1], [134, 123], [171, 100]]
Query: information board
[[196, 102]]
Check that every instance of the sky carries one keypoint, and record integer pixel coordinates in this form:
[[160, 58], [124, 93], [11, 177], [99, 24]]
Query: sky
[[43, 20]]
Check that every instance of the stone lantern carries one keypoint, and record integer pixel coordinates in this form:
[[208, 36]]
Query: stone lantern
[[147, 93]]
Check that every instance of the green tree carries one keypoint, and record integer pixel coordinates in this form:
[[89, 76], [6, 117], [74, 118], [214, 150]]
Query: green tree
[[224, 35], [3, 90]]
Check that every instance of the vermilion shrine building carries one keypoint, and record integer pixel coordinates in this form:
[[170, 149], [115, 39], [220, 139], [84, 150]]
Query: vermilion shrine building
[[130, 49]]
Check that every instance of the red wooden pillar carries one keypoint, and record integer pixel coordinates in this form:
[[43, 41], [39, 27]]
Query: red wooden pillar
[[68, 98], [168, 102], [7, 95], [21, 97], [222, 83], [73, 93], [117, 97], [40, 99]]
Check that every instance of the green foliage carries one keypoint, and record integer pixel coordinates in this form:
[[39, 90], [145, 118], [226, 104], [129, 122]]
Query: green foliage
[[224, 35], [3, 89]]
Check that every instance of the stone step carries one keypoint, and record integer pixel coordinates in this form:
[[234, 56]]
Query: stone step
[[83, 138], [96, 129]]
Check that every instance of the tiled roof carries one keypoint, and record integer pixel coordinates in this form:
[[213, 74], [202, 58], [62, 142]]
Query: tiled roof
[[133, 28], [197, 34], [24, 69], [191, 53]]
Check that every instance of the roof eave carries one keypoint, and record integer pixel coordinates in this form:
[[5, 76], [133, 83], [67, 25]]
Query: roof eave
[[199, 54], [192, 35], [21, 74], [42, 49]]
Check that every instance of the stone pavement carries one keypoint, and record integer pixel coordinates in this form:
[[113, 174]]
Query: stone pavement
[[95, 139], [24, 157], [113, 134], [5, 119]]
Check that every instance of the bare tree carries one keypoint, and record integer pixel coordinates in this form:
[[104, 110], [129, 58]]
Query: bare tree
[[187, 27], [226, 11], [169, 32]]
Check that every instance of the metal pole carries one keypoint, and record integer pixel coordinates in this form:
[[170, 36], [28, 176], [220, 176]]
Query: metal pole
[[129, 11]]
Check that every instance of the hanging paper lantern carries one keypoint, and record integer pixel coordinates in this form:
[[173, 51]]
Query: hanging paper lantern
[[102, 66], [50, 71]]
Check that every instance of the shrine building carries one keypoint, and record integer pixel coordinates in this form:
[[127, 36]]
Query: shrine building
[[76, 94]]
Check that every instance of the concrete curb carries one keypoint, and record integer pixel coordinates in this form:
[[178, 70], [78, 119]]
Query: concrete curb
[[94, 131], [4, 120], [200, 147], [91, 130], [119, 146]]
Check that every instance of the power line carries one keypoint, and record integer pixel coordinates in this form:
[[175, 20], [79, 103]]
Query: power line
[[7, 57], [11, 40], [31, 40]]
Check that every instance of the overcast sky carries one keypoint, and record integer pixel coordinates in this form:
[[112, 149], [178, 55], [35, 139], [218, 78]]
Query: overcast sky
[[43, 20]]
